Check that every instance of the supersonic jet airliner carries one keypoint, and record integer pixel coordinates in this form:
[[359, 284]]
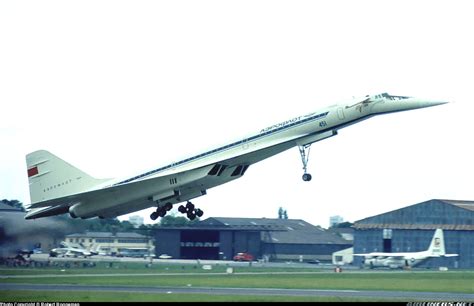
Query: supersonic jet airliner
[[56, 187]]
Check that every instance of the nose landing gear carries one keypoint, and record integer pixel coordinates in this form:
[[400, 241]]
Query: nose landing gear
[[304, 153]]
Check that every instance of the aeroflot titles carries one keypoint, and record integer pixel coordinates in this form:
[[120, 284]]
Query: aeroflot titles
[[279, 126], [291, 122]]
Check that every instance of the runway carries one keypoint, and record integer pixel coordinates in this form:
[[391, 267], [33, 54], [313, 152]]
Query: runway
[[388, 295]]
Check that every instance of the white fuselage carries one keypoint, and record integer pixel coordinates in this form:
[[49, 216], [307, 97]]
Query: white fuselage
[[269, 141], [399, 260], [191, 177]]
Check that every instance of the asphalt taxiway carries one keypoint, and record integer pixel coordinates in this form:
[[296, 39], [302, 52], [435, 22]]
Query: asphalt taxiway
[[386, 295]]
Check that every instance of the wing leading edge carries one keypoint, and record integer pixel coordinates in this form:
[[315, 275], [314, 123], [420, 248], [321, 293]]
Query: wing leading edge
[[174, 186]]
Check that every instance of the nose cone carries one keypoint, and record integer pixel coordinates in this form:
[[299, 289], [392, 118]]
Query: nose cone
[[415, 103], [428, 103], [404, 104]]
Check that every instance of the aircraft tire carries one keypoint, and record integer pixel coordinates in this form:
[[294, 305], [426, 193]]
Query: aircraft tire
[[162, 213], [182, 209], [190, 206], [154, 216], [191, 216], [199, 213], [307, 177]]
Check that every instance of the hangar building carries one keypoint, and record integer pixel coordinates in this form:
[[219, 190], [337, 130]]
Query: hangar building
[[270, 239], [410, 229]]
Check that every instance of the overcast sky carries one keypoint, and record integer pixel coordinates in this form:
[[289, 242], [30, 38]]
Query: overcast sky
[[117, 87]]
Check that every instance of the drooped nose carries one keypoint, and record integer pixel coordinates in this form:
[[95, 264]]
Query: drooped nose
[[429, 103], [404, 105]]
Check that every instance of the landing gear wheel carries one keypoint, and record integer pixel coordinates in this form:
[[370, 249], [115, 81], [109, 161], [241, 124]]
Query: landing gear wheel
[[199, 213], [182, 209], [168, 206], [162, 213], [154, 216], [307, 177], [191, 216], [189, 206]]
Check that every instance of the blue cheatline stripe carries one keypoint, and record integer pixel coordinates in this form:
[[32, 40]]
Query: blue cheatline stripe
[[270, 130]]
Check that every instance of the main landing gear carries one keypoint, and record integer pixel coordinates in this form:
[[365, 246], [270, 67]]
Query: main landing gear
[[190, 211], [161, 211], [304, 152]]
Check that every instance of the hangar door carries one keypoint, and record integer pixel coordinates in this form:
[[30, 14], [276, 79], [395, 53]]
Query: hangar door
[[199, 244]]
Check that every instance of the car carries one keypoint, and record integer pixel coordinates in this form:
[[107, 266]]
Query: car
[[314, 262], [243, 257], [164, 256]]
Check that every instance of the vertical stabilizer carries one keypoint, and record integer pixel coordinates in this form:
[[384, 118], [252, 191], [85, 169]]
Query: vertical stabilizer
[[50, 177], [437, 244]]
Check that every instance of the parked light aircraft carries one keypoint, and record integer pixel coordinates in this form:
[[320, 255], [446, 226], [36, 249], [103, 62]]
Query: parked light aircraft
[[56, 187], [408, 259], [68, 250]]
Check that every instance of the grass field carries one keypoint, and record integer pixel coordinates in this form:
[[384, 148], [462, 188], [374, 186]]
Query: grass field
[[83, 296], [244, 277]]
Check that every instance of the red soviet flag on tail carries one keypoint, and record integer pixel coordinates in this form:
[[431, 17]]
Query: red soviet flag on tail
[[32, 171]]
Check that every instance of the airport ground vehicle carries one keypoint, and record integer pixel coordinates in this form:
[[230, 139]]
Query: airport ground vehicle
[[243, 257]]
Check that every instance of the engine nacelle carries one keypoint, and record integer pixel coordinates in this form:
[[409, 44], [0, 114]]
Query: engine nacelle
[[80, 210]]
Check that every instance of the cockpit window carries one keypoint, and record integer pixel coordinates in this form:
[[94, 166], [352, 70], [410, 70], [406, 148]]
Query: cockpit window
[[390, 97]]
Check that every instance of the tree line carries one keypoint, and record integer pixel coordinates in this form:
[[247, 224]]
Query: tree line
[[110, 225]]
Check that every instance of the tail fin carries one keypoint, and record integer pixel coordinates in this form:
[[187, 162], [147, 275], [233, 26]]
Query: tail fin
[[50, 177], [437, 244], [94, 248]]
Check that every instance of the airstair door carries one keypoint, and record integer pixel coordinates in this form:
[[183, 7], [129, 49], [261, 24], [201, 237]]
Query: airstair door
[[340, 113]]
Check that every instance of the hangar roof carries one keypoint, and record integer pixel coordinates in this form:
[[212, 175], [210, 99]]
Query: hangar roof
[[105, 235], [259, 224], [431, 214], [278, 231], [469, 205], [302, 237]]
